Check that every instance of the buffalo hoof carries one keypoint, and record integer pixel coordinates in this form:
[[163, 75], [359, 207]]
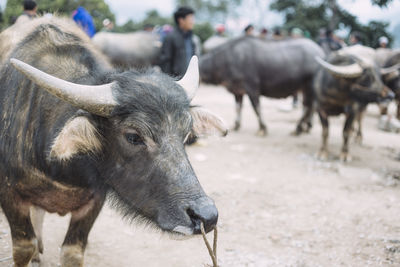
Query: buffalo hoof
[[322, 155], [345, 157], [36, 262], [296, 133], [236, 127], [303, 128], [261, 132]]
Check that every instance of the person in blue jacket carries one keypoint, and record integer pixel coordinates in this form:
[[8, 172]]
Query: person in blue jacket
[[84, 20]]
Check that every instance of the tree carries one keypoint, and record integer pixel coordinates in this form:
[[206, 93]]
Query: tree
[[203, 30], [97, 8], [329, 15], [381, 3], [1, 16], [211, 10], [300, 14], [152, 18]]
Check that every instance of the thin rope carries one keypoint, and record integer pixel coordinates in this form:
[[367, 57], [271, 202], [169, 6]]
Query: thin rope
[[211, 251]]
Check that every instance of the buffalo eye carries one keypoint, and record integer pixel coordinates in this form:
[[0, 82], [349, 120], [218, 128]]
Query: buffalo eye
[[134, 139]]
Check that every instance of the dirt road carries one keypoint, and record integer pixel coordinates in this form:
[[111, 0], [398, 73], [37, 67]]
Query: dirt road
[[278, 204]]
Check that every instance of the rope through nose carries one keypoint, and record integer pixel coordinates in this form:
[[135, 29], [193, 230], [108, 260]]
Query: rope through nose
[[213, 251]]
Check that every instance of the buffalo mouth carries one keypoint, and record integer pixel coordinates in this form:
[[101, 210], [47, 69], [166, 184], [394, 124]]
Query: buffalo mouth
[[188, 221], [366, 95]]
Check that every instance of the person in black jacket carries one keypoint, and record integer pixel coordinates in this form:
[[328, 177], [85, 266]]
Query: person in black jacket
[[178, 46]]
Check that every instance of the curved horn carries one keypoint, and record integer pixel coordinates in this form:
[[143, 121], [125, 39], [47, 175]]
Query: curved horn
[[349, 71], [96, 99], [190, 81], [390, 69]]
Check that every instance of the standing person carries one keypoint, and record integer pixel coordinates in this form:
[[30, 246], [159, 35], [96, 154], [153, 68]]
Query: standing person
[[108, 25], [30, 8], [249, 30], [178, 46], [383, 42], [355, 38], [84, 20], [277, 34], [264, 34], [329, 43]]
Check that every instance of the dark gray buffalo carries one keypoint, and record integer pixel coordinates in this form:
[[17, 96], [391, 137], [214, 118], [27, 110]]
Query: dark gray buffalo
[[346, 83], [136, 49], [73, 131], [391, 77], [255, 67]]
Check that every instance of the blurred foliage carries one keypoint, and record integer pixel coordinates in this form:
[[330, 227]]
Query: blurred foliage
[[381, 3], [203, 30], [1, 17], [327, 14], [300, 14], [211, 10], [97, 8], [152, 18]]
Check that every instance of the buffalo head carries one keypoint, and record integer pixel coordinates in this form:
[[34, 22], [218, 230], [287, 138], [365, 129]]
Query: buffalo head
[[133, 128], [391, 74], [361, 74]]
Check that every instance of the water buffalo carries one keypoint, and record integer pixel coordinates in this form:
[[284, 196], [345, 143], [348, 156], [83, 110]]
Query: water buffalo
[[251, 66], [391, 77], [73, 131], [137, 49], [346, 83]]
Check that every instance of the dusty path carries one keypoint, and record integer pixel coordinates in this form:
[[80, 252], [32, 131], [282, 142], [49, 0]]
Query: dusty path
[[278, 205]]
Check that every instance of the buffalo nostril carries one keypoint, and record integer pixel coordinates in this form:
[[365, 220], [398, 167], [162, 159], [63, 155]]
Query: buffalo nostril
[[207, 214]]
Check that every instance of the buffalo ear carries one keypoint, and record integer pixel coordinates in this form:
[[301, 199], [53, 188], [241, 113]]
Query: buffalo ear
[[78, 135], [206, 123]]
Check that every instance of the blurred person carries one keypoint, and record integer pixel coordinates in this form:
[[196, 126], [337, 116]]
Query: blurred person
[[220, 30], [263, 34], [355, 38], [30, 8], [249, 30], [108, 25], [383, 42], [296, 33], [148, 27], [164, 31], [84, 20], [178, 46], [328, 42], [277, 34], [216, 40]]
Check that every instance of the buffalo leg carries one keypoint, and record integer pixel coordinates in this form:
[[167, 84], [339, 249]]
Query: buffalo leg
[[323, 152], [305, 123], [348, 127], [255, 102], [398, 109], [37, 216], [239, 106], [383, 107], [359, 117], [80, 225], [23, 236]]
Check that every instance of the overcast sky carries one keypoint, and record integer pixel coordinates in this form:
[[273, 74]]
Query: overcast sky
[[128, 9], [136, 10]]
